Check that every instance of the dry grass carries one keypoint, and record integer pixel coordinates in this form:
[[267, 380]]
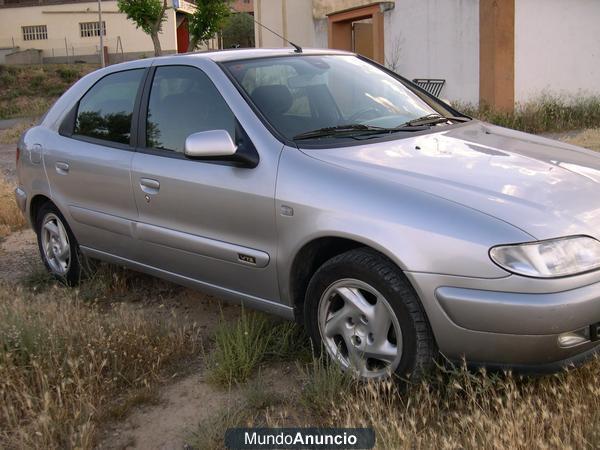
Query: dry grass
[[454, 408], [28, 91], [462, 409], [11, 218], [65, 364], [587, 138], [11, 135]]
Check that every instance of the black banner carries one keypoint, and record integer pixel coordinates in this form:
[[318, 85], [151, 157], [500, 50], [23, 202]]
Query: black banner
[[299, 438]]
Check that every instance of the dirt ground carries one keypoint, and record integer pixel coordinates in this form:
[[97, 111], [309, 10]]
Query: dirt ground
[[181, 403]]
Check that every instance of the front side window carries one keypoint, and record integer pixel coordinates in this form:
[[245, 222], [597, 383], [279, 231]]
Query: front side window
[[35, 33], [105, 111], [184, 101], [299, 94]]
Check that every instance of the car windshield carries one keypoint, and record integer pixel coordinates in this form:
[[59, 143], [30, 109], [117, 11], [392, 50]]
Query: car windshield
[[311, 96]]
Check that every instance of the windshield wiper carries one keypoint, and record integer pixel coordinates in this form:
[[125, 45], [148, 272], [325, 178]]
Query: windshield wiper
[[432, 119], [352, 129]]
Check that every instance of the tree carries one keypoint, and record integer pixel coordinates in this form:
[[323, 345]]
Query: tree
[[148, 15], [207, 20], [239, 31]]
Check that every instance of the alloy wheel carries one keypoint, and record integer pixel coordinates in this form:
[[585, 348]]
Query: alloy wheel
[[359, 329], [55, 244]]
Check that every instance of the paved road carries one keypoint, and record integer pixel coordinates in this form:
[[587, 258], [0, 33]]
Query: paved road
[[5, 124]]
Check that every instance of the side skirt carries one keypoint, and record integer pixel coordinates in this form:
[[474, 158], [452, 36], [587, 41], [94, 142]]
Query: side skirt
[[228, 295]]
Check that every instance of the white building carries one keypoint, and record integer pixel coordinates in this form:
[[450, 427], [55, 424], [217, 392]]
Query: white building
[[494, 51], [69, 30]]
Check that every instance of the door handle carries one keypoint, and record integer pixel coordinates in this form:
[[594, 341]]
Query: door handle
[[149, 186], [62, 167]]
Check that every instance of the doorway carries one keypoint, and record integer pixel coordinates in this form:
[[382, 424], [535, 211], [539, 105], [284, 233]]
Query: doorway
[[362, 38], [183, 34], [358, 30]]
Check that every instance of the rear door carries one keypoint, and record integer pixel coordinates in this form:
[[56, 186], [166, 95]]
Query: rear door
[[88, 164], [211, 221]]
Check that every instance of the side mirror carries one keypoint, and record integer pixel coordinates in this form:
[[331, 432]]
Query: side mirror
[[209, 144]]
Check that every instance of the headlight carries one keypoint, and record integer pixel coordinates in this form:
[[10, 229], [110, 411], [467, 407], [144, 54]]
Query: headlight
[[549, 259]]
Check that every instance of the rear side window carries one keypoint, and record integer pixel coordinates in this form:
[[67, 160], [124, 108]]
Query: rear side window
[[105, 111], [183, 101]]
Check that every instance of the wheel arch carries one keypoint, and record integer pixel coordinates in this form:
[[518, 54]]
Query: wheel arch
[[312, 255], [36, 203]]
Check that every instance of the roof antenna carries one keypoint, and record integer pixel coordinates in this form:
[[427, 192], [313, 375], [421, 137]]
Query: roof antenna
[[297, 47]]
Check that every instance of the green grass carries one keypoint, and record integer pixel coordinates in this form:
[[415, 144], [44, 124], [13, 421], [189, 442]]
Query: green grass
[[324, 385], [239, 348], [242, 346], [546, 114]]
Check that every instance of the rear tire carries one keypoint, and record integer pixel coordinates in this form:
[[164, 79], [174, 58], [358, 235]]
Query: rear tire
[[363, 312], [58, 247]]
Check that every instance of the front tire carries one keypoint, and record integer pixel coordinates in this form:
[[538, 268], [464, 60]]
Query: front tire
[[57, 244], [362, 311]]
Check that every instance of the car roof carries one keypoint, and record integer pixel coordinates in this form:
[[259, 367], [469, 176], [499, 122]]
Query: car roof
[[237, 54]]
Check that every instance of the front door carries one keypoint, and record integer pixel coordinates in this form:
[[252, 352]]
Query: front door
[[206, 220]]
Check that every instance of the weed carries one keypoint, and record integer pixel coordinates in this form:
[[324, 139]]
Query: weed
[[38, 279], [289, 342], [324, 385], [239, 348], [253, 339]]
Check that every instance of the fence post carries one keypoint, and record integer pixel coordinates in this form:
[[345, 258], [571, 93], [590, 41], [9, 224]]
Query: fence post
[[66, 50]]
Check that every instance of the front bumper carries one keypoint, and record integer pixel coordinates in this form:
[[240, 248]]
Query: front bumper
[[510, 322]]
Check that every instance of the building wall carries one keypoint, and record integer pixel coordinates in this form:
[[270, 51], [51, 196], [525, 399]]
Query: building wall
[[292, 19], [321, 8], [423, 39], [62, 22], [436, 39], [557, 48]]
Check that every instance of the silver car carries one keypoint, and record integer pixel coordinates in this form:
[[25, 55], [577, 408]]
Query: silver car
[[321, 187]]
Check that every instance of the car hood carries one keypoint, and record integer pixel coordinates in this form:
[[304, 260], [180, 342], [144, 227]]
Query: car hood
[[544, 187]]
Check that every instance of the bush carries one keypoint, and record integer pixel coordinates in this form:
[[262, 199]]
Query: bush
[[68, 74], [547, 114]]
